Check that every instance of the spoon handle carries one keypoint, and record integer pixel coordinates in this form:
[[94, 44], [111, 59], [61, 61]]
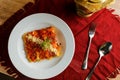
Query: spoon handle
[[91, 72], [85, 62]]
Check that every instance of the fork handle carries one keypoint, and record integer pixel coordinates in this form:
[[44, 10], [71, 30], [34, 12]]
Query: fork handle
[[85, 62]]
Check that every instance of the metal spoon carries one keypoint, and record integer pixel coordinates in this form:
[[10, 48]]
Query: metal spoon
[[91, 35], [104, 49]]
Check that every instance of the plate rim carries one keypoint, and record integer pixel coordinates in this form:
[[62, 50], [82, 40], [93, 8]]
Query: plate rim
[[68, 60]]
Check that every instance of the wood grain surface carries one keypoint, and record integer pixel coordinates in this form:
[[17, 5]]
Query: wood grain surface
[[9, 7]]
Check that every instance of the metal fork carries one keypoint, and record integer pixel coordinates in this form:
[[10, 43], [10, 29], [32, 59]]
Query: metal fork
[[91, 35]]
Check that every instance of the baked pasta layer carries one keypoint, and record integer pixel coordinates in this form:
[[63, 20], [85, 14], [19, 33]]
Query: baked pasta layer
[[41, 44]]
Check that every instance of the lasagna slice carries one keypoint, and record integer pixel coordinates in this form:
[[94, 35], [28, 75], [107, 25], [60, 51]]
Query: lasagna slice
[[41, 44]]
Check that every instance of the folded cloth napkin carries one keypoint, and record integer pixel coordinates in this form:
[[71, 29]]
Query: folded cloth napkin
[[107, 29]]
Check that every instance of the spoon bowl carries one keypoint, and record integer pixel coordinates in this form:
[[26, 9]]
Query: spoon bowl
[[103, 50]]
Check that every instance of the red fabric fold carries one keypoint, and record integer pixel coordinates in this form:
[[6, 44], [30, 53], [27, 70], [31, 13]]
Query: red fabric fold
[[108, 29]]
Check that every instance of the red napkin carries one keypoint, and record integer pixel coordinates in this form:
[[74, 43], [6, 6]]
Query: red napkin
[[108, 29]]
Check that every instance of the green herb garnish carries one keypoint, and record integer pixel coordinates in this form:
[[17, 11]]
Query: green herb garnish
[[45, 44]]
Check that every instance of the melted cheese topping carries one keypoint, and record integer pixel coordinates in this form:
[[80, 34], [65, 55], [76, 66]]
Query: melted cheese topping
[[39, 41], [34, 39]]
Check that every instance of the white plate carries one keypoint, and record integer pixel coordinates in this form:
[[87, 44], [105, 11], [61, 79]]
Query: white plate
[[46, 68]]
